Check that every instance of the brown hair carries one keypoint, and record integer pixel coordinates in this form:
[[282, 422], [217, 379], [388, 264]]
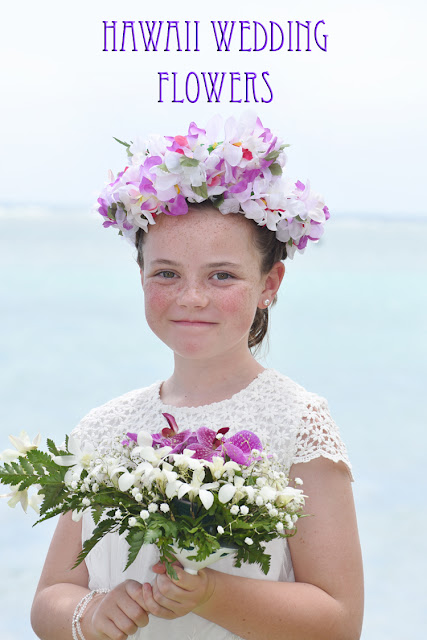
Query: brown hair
[[271, 251]]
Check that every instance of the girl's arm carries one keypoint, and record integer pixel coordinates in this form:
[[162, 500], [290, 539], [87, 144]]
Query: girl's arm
[[325, 602], [113, 616]]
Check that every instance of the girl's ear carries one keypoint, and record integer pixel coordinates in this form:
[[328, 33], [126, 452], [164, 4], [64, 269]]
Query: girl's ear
[[272, 284]]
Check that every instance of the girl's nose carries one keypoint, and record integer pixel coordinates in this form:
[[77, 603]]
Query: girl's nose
[[192, 296]]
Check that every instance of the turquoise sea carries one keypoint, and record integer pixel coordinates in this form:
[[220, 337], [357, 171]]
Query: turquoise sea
[[350, 325]]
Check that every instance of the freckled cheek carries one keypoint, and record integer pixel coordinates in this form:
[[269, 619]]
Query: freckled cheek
[[238, 302], [157, 299]]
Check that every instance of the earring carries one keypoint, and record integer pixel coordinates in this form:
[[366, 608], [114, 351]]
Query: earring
[[267, 302]]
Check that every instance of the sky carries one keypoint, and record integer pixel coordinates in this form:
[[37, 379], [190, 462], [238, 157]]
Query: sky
[[354, 114]]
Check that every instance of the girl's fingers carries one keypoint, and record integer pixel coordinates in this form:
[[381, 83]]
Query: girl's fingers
[[121, 613], [171, 588], [159, 605], [122, 621], [159, 568], [166, 592], [185, 580], [110, 630], [134, 612], [134, 604]]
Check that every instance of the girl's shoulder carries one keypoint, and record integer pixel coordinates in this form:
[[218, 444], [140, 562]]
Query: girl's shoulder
[[301, 423], [285, 389], [277, 393]]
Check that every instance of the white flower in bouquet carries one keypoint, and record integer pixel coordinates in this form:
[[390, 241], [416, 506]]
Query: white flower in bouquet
[[16, 496], [287, 495], [196, 488], [185, 460], [218, 467], [22, 444], [79, 459]]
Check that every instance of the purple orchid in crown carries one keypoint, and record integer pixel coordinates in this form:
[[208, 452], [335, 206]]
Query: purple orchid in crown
[[212, 443]]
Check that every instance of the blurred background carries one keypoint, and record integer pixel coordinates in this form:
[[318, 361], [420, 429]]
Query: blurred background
[[351, 317]]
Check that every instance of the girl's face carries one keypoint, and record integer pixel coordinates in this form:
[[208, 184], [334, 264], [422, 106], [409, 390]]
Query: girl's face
[[202, 282]]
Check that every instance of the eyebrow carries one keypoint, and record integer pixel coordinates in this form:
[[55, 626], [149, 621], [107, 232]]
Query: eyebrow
[[210, 265]]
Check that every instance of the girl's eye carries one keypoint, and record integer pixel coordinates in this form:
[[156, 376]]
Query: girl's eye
[[166, 274], [222, 276]]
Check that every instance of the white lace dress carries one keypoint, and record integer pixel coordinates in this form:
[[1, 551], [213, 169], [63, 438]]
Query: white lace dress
[[296, 424]]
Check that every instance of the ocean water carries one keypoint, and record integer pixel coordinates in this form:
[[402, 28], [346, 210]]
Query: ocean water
[[350, 324]]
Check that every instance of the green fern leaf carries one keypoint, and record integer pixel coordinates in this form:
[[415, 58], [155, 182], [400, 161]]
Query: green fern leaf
[[151, 535], [104, 527], [41, 457], [54, 449], [53, 496], [135, 539], [51, 514]]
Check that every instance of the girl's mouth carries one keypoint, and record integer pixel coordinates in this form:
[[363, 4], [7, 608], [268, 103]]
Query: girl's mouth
[[194, 323]]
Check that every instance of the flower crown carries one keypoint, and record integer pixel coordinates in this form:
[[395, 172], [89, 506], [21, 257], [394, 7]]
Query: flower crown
[[239, 171]]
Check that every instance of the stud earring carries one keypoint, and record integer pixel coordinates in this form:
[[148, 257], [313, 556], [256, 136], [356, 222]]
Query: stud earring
[[267, 302]]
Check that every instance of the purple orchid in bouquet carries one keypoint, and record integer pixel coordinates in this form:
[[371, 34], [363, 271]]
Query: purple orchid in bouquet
[[168, 437], [205, 443], [238, 448]]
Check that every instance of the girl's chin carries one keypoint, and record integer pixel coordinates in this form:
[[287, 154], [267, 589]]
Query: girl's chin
[[196, 349], [202, 351], [195, 353]]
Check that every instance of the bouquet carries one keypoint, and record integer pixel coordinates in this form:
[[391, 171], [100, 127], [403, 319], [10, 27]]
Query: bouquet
[[197, 495]]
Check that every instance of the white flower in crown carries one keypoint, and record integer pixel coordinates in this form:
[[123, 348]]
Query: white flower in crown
[[237, 165], [289, 229], [307, 205]]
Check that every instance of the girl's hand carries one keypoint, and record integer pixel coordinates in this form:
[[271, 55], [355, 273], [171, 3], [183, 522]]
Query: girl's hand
[[116, 615], [169, 598]]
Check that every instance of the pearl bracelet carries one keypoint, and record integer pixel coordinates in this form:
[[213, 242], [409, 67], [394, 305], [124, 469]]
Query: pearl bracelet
[[79, 611]]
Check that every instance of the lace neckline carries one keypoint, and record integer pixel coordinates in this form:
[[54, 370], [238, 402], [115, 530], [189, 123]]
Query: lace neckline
[[169, 408]]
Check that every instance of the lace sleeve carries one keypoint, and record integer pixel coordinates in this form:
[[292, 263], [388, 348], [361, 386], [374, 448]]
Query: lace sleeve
[[318, 435]]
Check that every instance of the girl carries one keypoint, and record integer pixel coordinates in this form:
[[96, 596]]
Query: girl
[[208, 281]]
